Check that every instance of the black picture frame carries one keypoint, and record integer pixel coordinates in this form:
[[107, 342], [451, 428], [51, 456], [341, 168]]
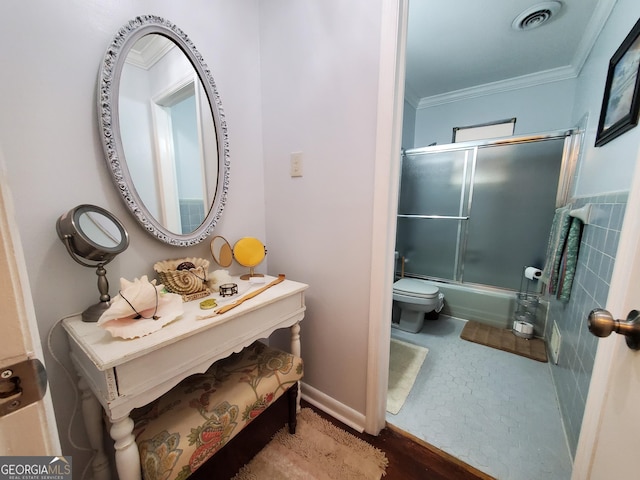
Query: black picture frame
[[621, 99]]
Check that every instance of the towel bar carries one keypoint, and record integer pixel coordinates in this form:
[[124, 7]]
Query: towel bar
[[583, 213]]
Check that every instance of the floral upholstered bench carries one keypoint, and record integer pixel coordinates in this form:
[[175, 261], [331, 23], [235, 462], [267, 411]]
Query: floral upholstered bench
[[182, 429]]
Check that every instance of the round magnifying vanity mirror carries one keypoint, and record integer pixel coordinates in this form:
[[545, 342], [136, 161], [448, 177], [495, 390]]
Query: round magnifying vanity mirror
[[92, 233], [163, 131]]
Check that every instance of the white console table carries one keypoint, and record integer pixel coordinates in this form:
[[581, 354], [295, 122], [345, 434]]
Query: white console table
[[118, 375]]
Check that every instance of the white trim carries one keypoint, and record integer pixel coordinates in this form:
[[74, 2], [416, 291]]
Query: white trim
[[525, 81], [385, 205], [165, 167], [337, 410], [411, 96], [592, 32], [148, 51]]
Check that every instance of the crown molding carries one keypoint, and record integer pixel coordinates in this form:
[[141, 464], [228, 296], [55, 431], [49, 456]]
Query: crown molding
[[149, 52], [592, 31], [411, 97], [525, 81]]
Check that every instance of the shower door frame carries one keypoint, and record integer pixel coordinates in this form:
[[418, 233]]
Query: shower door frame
[[572, 144]]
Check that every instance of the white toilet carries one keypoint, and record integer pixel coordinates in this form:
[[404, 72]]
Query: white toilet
[[412, 298]]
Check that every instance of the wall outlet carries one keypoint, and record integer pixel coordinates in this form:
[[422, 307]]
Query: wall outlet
[[296, 164]]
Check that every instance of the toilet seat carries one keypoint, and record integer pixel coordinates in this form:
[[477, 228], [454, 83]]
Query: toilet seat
[[416, 288]]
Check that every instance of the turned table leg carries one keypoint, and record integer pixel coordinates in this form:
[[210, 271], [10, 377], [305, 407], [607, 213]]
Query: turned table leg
[[295, 350], [92, 415], [127, 456]]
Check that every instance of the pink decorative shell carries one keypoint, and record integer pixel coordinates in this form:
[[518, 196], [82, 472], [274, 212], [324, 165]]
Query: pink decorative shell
[[148, 300]]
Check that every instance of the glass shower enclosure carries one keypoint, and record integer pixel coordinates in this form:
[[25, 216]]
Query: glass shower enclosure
[[479, 212]]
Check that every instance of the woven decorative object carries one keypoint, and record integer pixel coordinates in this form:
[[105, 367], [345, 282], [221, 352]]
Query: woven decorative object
[[184, 276]]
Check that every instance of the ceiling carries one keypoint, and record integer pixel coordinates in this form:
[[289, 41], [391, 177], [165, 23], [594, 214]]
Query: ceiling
[[458, 48]]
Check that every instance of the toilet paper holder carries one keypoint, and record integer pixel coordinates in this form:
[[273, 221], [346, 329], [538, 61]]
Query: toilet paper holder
[[532, 273]]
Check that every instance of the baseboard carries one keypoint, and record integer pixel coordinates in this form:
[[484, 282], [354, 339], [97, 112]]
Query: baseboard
[[337, 410]]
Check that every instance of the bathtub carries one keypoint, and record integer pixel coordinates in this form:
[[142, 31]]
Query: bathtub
[[492, 306]]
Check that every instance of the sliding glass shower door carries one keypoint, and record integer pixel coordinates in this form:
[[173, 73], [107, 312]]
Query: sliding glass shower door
[[478, 213]]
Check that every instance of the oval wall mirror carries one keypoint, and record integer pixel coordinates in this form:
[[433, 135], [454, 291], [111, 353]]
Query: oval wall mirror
[[163, 131]]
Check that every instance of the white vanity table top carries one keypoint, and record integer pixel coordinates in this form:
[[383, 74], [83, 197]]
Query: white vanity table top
[[106, 351]]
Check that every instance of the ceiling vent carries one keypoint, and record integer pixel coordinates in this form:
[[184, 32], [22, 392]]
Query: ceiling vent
[[536, 16]]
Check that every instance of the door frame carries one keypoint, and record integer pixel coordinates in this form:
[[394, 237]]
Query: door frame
[[387, 165], [393, 40]]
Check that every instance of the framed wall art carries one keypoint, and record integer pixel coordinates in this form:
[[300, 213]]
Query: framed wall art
[[621, 94]]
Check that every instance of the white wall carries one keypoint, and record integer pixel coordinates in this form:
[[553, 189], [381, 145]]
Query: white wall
[[608, 168], [49, 136], [320, 71], [538, 108]]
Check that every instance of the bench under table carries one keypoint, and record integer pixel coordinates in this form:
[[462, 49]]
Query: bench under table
[[180, 431]]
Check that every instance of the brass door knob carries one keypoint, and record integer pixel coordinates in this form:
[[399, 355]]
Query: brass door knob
[[601, 324]]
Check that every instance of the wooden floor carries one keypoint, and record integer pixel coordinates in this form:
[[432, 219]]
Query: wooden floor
[[409, 457]]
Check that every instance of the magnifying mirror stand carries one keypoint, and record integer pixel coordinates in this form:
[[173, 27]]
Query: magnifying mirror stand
[[93, 313]]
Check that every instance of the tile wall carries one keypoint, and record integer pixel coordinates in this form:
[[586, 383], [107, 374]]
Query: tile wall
[[597, 254], [191, 214]]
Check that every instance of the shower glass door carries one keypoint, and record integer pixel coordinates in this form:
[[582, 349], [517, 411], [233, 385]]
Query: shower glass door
[[433, 211], [478, 214], [514, 195]]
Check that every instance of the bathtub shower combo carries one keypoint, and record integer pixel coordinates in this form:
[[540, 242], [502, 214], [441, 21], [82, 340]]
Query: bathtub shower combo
[[471, 217]]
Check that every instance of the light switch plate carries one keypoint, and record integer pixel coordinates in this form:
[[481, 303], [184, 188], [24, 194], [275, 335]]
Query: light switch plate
[[296, 164]]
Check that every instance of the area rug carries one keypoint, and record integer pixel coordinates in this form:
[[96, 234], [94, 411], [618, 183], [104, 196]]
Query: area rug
[[318, 451], [504, 339], [405, 361]]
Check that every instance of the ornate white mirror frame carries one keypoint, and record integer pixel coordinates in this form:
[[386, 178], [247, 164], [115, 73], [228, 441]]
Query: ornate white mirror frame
[[111, 131]]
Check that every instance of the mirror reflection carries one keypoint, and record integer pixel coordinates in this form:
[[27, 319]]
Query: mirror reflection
[[100, 229], [163, 131], [168, 133], [221, 251]]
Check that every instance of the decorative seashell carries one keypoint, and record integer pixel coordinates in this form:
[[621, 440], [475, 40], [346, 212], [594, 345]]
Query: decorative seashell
[[144, 298], [187, 281]]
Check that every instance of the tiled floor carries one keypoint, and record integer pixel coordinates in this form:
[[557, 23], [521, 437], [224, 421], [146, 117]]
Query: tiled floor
[[494, 410]]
